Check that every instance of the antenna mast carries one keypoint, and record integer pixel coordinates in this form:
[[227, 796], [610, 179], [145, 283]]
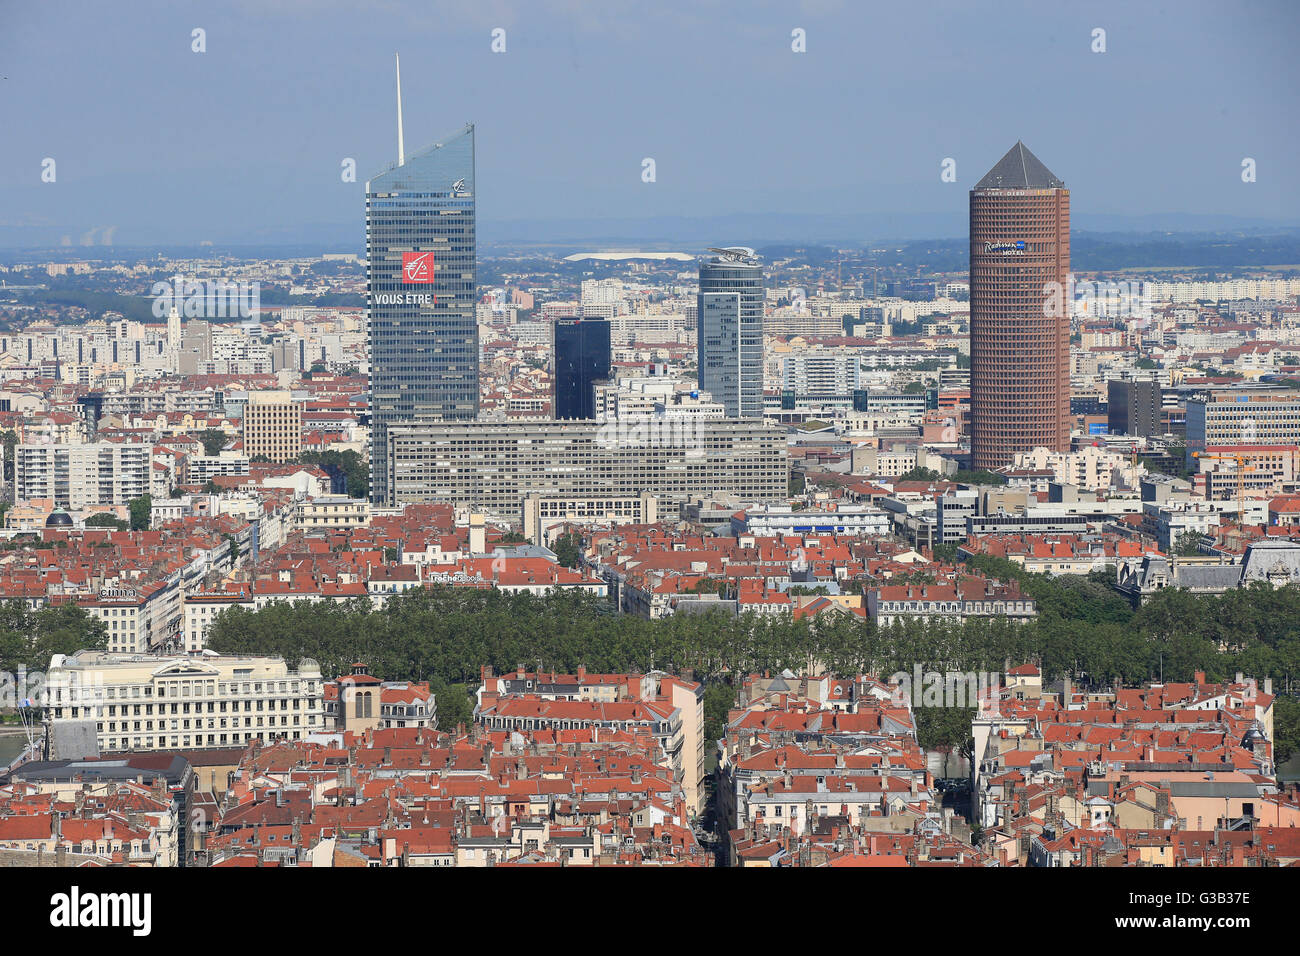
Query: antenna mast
[[401, 146]]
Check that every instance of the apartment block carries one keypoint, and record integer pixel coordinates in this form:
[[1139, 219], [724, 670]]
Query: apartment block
[[331, 513], [139, 618], [669, 708], [540, 514], [76, 477]]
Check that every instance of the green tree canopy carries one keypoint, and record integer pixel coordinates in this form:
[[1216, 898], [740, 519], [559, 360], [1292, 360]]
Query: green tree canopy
[[106, 520], [30, 638], [568, 550], [140, 508], [213, 439]]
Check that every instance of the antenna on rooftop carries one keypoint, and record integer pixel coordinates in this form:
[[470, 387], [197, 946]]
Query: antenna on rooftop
[[401, 146]]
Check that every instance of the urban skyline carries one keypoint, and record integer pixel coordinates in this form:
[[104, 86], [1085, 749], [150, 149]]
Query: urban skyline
[[295, 177], [605, 505]]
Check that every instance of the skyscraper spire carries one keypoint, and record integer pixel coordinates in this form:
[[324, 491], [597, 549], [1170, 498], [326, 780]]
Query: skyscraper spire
[[401, 146]]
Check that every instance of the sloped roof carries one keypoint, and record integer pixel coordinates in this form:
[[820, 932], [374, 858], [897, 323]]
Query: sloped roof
[[1019, 169], [1213, 576]]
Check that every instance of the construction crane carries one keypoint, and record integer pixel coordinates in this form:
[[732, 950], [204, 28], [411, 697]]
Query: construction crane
[[1242, 469]]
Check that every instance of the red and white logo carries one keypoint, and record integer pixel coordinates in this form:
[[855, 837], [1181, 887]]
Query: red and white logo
[[417, 267]]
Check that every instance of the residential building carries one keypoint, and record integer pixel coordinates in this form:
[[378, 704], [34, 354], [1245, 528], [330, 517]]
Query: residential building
[[955, 601], [667, 707], [542, 513], [841, 519], [76, 477], [360, 701], [330, 513]]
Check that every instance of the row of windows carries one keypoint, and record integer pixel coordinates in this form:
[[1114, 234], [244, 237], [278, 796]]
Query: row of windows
[[116, 726], [212, 706], [97, 710], [188, 740], [178, 689]]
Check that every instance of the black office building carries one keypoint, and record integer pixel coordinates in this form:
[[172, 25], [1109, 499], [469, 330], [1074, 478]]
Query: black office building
[[1133, 407], [581, 360]]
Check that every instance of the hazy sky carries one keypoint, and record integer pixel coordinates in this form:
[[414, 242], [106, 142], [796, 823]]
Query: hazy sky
[[245, 140]]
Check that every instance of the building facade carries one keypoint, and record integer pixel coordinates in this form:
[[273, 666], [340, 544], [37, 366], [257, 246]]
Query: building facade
[[330, 513], [581, 353], [141, 702], [272, 426], [668, 708], [540, 514], [495, 466], [1133, 407], [423, 335], [730, 331], [1019, 326], [823, 373], [79, 476], [360, 701], [1243, 417]]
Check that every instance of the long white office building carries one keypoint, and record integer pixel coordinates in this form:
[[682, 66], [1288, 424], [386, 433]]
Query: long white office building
[[494, 466]]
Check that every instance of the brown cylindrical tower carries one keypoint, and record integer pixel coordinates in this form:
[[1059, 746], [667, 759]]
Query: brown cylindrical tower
[[1019, 311]]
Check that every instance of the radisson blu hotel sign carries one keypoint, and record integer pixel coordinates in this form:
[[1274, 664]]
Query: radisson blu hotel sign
[[1016, 248]]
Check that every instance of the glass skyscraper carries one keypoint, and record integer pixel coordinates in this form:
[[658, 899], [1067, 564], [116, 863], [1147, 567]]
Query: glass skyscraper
[[423, 335], [730, 331], [581, 356]]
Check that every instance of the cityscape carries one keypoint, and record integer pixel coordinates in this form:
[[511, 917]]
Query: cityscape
[[425, 527]]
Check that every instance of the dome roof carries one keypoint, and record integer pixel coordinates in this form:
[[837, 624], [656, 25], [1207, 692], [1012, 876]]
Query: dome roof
[[59, 519]]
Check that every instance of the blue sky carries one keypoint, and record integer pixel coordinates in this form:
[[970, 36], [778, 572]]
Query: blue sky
[[245, 141]]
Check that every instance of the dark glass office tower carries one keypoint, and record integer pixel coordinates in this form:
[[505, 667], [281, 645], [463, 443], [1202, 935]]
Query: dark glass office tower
[[581, 360], [1133, 407], [729, 331], [422, 331]]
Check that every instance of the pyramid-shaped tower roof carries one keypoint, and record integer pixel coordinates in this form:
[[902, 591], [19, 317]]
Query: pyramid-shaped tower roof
[[1019, 169]]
